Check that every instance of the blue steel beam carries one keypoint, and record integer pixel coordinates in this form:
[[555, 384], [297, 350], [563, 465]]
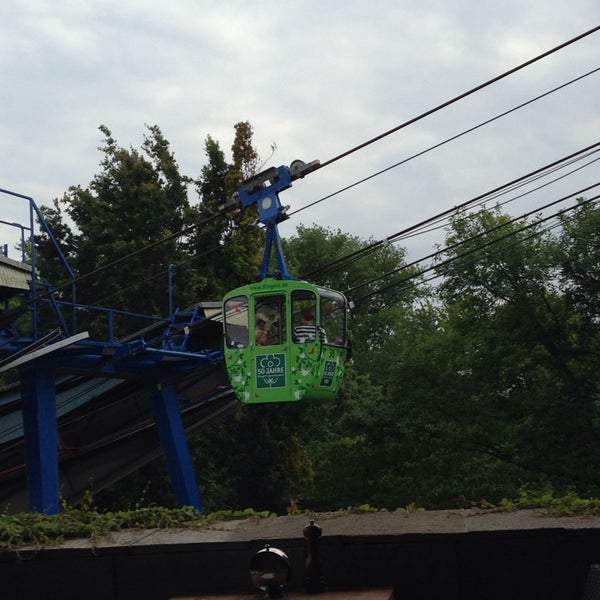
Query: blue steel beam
[[41, 435], [172, 434]]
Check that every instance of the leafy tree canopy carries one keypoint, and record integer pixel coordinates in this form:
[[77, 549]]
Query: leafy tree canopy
[[472, 389]]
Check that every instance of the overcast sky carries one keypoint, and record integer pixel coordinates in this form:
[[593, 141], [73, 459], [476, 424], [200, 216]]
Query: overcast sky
[[316, 78]]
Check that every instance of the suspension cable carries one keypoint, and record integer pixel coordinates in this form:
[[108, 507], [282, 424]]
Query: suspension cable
[[462, 96]]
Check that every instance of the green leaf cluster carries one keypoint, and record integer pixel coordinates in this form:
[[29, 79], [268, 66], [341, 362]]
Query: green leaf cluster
[[134, 230], [37, 530]]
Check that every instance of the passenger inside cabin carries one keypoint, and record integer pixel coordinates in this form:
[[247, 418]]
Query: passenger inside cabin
[[261, 332], [307, 331]]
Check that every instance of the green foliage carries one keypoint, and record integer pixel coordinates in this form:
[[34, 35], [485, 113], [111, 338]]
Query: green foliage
[[38, 530], [460, 395], [35, 529], [568, 505], [123, 234], [134, 208], [254, 458], [239, 245], [488, 388], [527, 390]]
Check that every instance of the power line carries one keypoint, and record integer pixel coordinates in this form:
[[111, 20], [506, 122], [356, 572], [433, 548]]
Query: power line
[[116, 261], [473, 256], [443, 142], [450, 211], [377, 138], [452, 138], [443, 222], [474, 250], [205, 221], [462, 96], [477, 236], [390, 239]]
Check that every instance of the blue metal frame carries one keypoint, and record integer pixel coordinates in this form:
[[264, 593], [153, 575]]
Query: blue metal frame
[[172, 434], [155, 363], [263, 190], [38, 393]]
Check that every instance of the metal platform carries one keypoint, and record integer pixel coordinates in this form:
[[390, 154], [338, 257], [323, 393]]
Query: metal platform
[[85, 412]]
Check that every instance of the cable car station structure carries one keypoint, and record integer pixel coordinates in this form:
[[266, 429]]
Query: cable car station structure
[[85, 412]]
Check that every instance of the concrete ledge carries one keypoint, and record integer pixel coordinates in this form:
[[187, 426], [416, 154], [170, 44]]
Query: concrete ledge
[[339, 595], [454, 555]]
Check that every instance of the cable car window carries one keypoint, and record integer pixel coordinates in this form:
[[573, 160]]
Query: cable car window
[[270, 325], [236, 322], [333, 316], [304, 316]]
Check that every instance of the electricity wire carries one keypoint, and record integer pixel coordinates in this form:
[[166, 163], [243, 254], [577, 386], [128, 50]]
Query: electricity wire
[[477, 236], [446, 213], [381, 136], [121, 259], [462, 96], [358, 254], [471, 251], [452, 138], [410, 279], [442, 143]]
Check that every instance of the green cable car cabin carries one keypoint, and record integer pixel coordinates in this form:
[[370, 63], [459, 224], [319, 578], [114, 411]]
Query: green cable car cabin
[[285, 341], [284, 338]]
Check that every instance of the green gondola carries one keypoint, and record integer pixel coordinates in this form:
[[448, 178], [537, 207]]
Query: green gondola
[[284, 339]]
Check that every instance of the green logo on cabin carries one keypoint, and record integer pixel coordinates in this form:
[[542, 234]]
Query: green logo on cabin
[[270, 370], [328, 373]]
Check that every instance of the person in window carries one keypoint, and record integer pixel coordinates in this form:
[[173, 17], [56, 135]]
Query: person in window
[[261, 332], [307, 331]]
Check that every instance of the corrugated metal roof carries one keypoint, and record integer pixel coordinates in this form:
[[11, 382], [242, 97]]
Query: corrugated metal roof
[[14, 275]]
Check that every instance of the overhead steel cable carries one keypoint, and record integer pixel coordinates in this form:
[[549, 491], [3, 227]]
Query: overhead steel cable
[[444, 223], [431, 148], [442, 143], [352, 257], [462, 96], [473, 250], [477, 236], [370, 248], [452, 210], [371, 141], [514, 198], [471, 129], [116, 261], [473, 257], [442, 220], [499, 250]]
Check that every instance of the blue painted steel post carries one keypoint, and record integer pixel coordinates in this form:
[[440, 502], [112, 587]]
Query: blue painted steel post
[[172, 434], [38, 394], [171, 269]]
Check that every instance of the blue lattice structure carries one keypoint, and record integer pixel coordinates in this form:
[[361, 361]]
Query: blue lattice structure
[[134, 389]]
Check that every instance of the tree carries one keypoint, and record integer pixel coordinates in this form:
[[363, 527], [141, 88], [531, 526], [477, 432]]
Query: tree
[[526, 400], [125, 229], [226, 248], [577, 257], [352, 462], [485, 388]]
